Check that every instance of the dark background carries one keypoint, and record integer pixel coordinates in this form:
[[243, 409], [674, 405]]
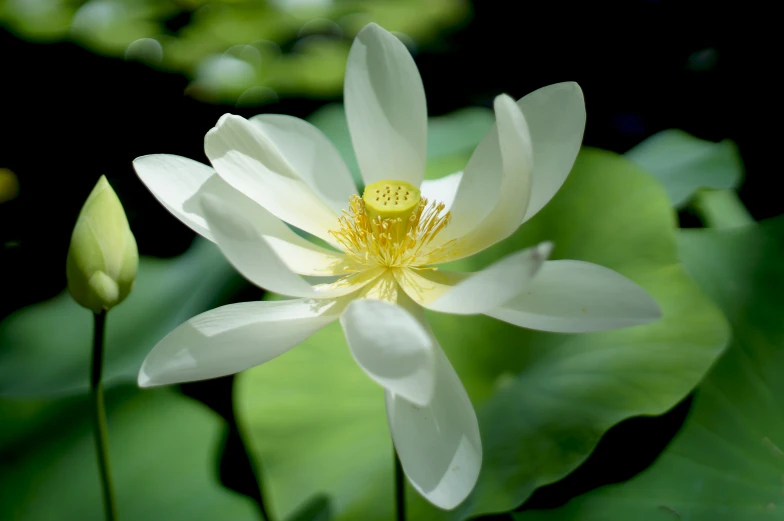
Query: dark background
[[69, 116]]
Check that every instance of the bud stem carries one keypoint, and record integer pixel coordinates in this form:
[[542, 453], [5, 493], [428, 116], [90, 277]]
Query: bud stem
[[99, 416], [400, 489]]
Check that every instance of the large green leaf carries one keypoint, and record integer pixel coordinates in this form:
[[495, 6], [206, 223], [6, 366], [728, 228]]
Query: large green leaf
[[318, 424], [163, 460], [45, 348], [727, 464], [684, 163]]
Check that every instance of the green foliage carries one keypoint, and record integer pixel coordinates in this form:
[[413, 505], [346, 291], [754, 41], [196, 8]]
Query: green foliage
[[685, 164], [727, 464], [543, 399], [163, 462], [232, 49], [46, 347]]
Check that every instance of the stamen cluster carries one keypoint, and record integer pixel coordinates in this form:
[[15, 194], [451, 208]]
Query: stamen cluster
[[393, 242]]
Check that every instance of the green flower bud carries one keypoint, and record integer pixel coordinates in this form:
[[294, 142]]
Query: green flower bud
[[102, 258]]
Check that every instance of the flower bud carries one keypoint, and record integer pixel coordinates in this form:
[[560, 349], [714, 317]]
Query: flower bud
[[102, 258]]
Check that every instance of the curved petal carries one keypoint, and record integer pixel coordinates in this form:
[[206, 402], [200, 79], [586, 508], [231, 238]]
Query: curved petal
[[391, 347], [514, 142], [385, 108], [233, 338], [178, 183], [251, 254], [556, 120], [173, 180], [312, 156], [442, 190], [248, 160], [472, 293], [439, 445], [569, 296]]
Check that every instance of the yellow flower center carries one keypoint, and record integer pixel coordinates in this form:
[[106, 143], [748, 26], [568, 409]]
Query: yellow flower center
[[392, 226]]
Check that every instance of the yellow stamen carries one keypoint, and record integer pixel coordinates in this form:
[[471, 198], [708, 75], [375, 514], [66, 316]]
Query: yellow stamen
[[399, 233]]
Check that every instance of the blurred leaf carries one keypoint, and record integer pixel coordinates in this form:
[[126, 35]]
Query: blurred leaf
[[22, 418], [162, 450], [727, 464], [316, 509], [450, 138], [45, 348], [316, 36], [684, 163], [318, 423]]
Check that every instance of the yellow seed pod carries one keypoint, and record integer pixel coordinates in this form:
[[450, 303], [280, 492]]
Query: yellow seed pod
[[102, 259], [391, 201]]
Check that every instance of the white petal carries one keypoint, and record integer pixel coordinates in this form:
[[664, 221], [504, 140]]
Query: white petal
[[556, 120], [312, 156], [174, 180], [178, 183], [442, 190], [480, 292], [232, 338], [385, 108], [251, 254], [517, 163], [391, 347], [570, 296], [300, 255], [439, 445], [248, 160]]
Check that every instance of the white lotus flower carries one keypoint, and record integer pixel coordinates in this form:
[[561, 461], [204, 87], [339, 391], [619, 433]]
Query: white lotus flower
[[275, 169]]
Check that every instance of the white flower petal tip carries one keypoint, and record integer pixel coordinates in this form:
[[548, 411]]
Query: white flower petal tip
[[232, 338], [569, 296], [439, 446], [144, 381], [491, 287], [174, 180], [385, 108], [391, 347], [556, 119]]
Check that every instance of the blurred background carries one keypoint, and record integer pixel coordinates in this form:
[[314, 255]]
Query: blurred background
[[87, 86]]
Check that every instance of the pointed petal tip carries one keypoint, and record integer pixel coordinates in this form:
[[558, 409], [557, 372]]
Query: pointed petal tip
[[374, 29], [575, 88], [544, 249], [140, 161], [222, 120], [144, 381], [502, 98]]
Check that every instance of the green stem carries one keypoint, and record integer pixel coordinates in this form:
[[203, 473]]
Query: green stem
[[99, 417], [721, 209], [400, 489]]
